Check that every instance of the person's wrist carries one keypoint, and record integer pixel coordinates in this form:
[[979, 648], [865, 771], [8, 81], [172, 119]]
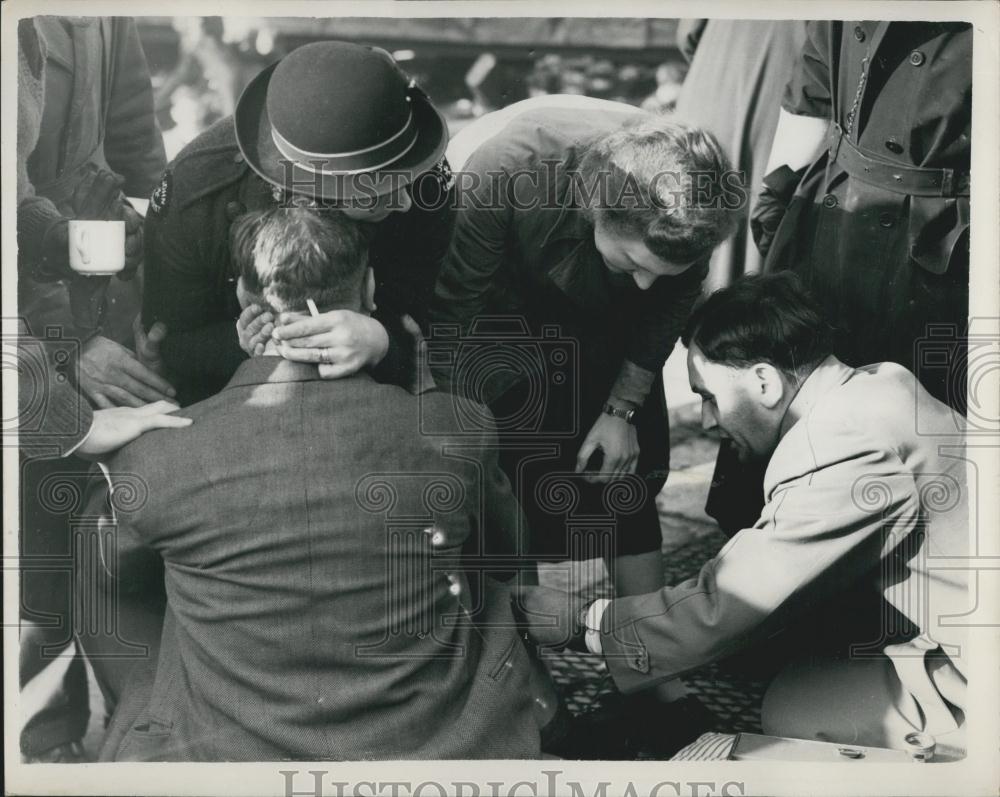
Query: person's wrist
[[592, 616], [623, 414], [81, 448], [622, 403]]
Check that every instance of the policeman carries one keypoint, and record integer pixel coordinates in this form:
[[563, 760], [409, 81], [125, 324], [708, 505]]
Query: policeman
[[332, 123]]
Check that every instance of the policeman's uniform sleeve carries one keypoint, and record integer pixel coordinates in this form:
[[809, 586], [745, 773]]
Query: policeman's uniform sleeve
[[185, 289], [807, 92]]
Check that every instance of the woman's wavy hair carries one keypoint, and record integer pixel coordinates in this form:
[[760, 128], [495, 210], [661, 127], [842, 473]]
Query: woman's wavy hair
[[286, 255], [666, 183]]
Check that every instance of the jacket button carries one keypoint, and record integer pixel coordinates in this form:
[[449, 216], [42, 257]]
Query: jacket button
[[917, 58], [859, 34], [234, 210], [886, 219], [894, 146], [830, 201], [238, 157]]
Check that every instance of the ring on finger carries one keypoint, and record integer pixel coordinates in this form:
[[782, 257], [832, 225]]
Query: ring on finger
[[324, 356]]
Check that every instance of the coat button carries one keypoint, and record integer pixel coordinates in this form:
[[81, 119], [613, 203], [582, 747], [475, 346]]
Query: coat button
[[894, 147], [238, 157], [859, 33], [886, 219], [234, 210], [830, 201], [917, 58]]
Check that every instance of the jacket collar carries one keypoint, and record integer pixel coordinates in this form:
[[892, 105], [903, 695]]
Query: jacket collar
[[829, 374], [275, 370]]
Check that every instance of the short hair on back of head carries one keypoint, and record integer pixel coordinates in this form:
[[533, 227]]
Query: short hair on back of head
[[666, 183], [761, 318], [287, 255]]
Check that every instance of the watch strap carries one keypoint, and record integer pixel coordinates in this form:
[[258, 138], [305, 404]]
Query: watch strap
[[627, 415]]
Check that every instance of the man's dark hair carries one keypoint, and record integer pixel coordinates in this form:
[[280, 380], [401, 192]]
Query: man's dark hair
[[771, 319], [289, 254]]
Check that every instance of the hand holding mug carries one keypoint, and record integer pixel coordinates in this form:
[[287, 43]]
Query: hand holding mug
[[96, 248], [98, 200], [97, 197]]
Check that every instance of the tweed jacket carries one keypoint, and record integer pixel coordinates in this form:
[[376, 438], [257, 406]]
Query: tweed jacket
[[318, 603]]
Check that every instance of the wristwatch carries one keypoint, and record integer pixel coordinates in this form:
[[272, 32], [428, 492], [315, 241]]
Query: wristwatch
[[617, 412]]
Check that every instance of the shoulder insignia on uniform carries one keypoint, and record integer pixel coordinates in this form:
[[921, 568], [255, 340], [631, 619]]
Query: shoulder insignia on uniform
[[442, 170], [161, 194]]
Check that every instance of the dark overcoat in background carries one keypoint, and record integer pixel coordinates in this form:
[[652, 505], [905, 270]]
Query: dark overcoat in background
[[879, 229]]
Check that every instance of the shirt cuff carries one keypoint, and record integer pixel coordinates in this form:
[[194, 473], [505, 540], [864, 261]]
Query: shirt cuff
[[633, 384], [592, 623]]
